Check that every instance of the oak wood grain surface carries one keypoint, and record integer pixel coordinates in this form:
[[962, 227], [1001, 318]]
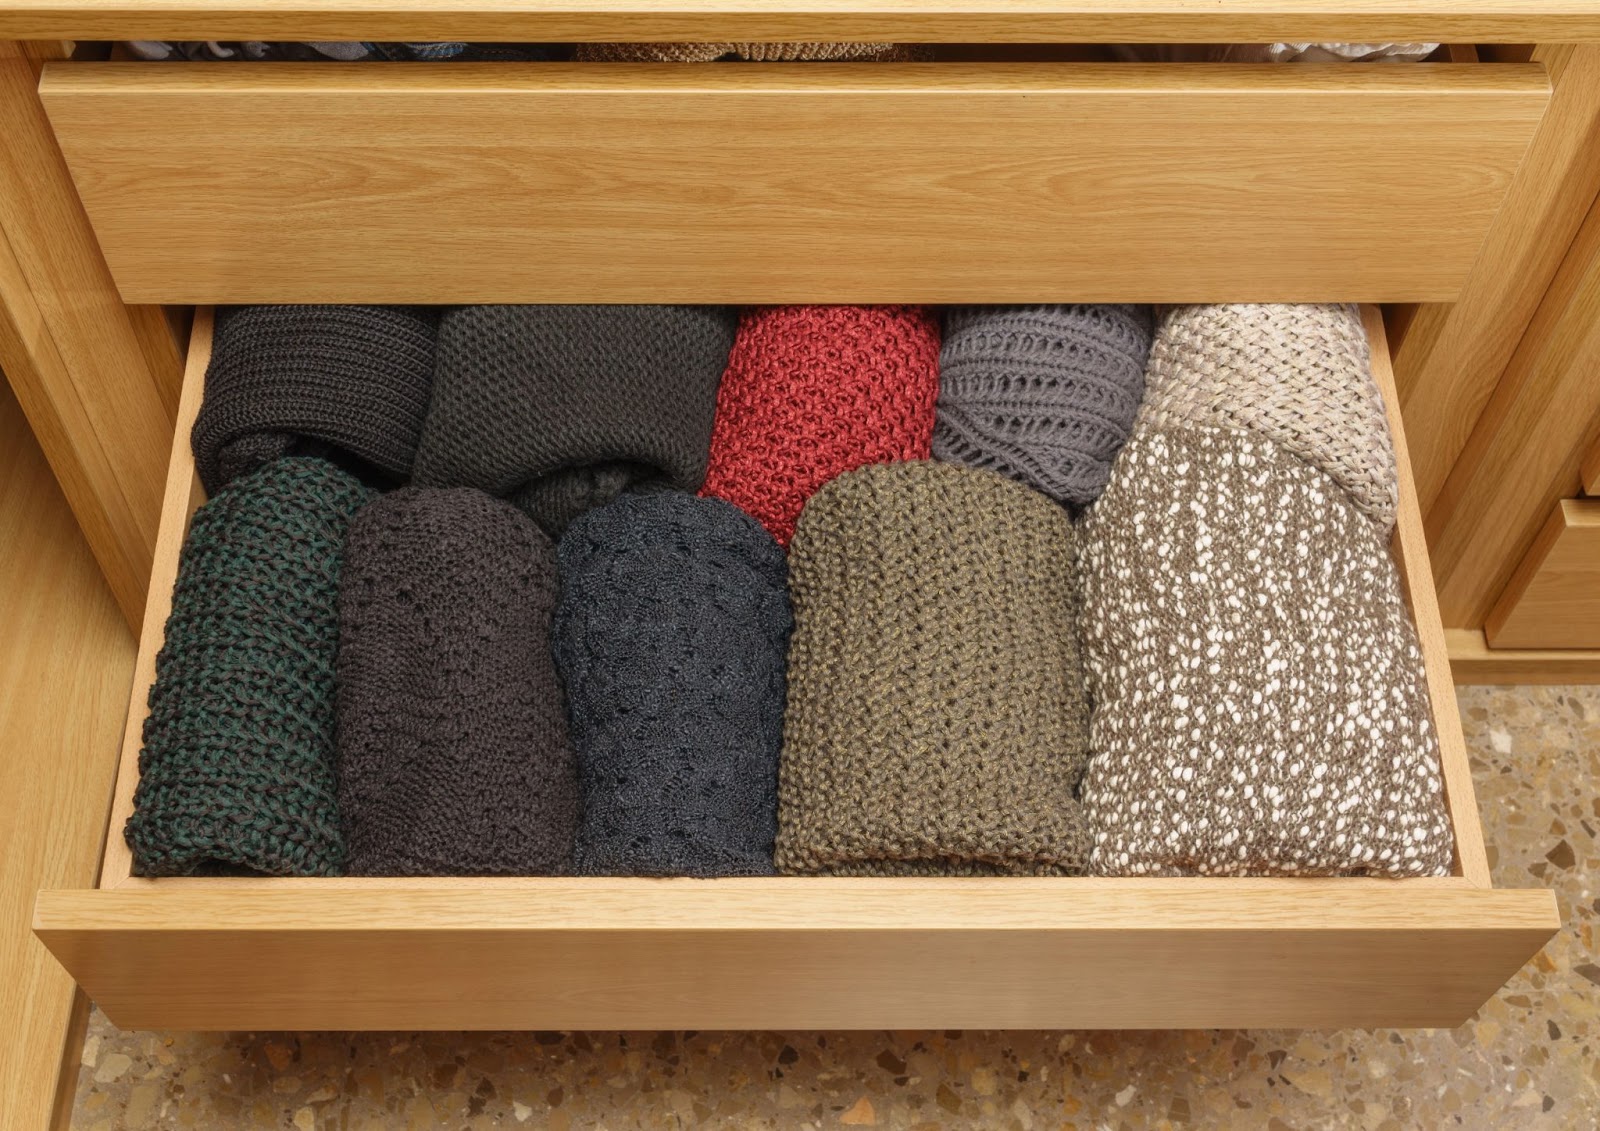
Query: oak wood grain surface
[[66, 656], [952, 21], [1410, 548], [1452, 355], [95, 379], [957, 182], [1525, 452], [1553, 599], [1473, 661]]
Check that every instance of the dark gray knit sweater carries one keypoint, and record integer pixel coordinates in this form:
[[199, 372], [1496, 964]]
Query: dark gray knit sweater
[[350, 383], [452, 730], [670, 637], [560, 407]]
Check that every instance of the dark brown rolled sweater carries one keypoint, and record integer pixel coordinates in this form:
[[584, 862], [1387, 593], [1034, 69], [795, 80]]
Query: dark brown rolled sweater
[[452, 730]]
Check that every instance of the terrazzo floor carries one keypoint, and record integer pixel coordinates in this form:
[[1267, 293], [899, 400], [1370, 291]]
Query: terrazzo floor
[[1529, 1058]]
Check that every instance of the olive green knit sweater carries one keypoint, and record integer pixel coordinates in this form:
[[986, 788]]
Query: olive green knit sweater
[[237, 769], [936, 721]]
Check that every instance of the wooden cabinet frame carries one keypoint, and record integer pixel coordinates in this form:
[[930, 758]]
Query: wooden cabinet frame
[[99, 379]]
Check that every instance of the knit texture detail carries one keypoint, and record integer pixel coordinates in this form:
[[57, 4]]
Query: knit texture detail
[[1274, 52], [815, 391], [749, 52], [338, 51], [1045, 395], [1299, 375], [237, 767], [1333, 52], [561, 407], [671, 637], [937, 721], [314, 380], [1261, 706], [453, 752]]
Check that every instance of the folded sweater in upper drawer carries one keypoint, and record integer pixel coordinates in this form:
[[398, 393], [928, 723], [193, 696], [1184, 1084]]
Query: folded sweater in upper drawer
[[951, 182]]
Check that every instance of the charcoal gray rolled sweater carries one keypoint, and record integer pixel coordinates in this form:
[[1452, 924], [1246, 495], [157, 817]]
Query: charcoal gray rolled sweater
[[670, 637], [451, 728], [559, 408], [349, 383]]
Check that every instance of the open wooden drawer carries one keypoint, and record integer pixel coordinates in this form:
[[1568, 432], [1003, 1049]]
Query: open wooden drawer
[[793, 952], [1016, 182]]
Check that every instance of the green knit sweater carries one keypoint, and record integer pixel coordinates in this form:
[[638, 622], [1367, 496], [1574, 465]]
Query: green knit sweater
[[237, 769]]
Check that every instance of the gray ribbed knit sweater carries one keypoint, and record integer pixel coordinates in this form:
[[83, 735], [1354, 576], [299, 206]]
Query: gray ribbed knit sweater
[[1045, 395]]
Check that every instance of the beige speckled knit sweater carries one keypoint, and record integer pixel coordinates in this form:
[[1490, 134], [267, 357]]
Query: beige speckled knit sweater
[[1260, 703], [1300, 374]]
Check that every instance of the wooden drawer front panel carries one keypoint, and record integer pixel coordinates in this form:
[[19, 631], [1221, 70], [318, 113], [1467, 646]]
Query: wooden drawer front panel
[[954, 182], [1553, 600], [802, 953], [793, 952]]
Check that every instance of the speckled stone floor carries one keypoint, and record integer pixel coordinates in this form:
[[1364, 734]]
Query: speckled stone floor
[[1529, 1059]]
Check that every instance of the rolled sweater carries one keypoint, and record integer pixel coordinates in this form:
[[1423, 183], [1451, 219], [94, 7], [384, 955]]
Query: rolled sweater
[[937, 722], [560, 408], [350, 383], [670, 638], [1045, 395], [814, 391], [453, 751], [1297, 373], [749, 52], [238, 768], [1261, 706]]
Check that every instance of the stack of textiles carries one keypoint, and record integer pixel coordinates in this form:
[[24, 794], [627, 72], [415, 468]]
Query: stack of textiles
[[870, 591]]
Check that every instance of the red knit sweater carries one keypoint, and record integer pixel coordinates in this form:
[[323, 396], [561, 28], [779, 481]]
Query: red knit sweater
[[811, 392]]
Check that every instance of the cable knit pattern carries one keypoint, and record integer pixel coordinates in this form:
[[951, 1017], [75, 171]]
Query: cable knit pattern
[[1045, 395], [1261, 706], [237, 768], [815, 391], [937, 721], [453, 752], [334, 381], [561, 407], [749, 52], [670, 637], [1300, 375]]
